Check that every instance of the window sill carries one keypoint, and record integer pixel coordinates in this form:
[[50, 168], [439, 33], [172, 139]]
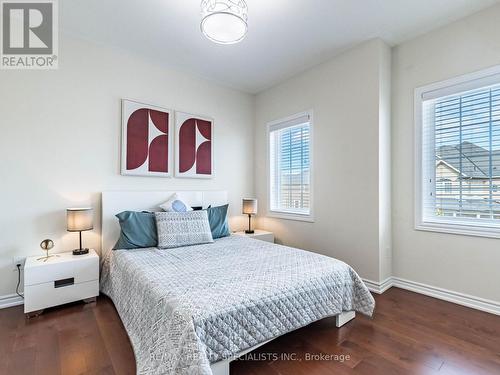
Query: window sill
[[290, 216], [460, 229]]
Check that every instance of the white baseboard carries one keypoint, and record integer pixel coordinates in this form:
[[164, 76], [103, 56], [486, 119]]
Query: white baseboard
[[10, 300], [378, 287], [463, 299]]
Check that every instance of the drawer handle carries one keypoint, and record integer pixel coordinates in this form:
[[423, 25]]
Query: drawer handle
[[64, 282]]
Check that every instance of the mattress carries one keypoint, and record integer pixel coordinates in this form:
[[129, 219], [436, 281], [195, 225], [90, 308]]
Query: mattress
[[187, 307]]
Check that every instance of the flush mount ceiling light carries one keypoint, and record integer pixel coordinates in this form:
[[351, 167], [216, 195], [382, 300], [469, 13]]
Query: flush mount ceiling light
[[224, 21]]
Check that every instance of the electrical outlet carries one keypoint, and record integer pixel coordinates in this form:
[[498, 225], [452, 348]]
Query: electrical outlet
[[16, 261]]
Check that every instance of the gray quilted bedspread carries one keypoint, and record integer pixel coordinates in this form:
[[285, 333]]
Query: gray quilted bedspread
[[187, 307]]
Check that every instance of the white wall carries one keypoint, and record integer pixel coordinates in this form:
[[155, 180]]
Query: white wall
[[61, 138], [346, 96], [469, 265], [384, 168], [60, 142]]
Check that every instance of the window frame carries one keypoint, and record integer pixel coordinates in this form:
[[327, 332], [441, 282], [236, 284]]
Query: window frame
[[284, 214], [455, 85]]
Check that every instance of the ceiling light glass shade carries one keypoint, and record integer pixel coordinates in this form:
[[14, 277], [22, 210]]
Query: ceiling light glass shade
[[224, 21]]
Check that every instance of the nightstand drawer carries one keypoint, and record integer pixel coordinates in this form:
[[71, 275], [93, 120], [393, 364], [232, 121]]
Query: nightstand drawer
[[81, 268], [41, 296]]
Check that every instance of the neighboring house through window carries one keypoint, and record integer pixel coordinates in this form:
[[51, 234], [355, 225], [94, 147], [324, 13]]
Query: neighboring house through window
[[458, 155], [290, 177]]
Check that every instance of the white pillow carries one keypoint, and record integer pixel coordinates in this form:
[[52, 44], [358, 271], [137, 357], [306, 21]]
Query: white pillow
[[176, 229], [175, 204]]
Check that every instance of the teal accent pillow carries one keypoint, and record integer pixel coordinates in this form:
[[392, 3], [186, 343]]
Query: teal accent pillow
[[217, 217], [138, 229]]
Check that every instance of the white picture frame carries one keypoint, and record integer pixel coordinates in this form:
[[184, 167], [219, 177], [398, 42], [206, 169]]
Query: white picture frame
[[128, 167], [180, 119]]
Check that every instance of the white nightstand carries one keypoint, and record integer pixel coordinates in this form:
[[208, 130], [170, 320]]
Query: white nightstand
[[258, 235], [62, 279]]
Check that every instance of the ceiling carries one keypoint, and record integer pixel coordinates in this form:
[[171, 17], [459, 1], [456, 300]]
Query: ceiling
[[284, 37]]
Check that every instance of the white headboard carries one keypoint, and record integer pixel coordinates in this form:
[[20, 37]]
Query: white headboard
[[114, 202]]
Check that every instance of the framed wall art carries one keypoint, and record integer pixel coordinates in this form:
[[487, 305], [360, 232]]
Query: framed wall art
[[146, 140], [194, 146]]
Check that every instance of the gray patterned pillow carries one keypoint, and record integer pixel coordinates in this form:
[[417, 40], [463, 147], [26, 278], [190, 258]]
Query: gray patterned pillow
[[177, 229]]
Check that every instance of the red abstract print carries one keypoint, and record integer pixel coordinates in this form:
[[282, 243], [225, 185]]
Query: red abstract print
[[147, 139], [195, 146]]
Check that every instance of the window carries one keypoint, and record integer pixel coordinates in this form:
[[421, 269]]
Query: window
[[290, 180], [458, 155]]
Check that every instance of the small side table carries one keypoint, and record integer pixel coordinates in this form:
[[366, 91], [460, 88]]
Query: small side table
[[258, 235], [59, 280]]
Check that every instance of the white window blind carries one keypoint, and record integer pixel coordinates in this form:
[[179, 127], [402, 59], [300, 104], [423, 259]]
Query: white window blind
[[290, 166], [460, 154]]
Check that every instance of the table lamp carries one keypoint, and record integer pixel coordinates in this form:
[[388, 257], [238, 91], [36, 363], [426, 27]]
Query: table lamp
[[249, 208], [79, 220]]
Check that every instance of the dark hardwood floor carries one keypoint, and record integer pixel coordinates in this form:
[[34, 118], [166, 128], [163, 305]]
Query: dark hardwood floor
[[410, 334]]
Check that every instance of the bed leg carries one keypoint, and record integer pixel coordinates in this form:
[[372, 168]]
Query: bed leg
[[344, 317], [220, 368]]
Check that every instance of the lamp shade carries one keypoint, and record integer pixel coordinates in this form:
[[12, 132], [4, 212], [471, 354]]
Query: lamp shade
[[79, 219], [249, 206]]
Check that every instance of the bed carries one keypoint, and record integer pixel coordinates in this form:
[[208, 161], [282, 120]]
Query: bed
[[191, 310]]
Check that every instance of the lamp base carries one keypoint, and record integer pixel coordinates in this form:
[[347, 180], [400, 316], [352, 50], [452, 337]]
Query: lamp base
[[249, 231], [80, 251]]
